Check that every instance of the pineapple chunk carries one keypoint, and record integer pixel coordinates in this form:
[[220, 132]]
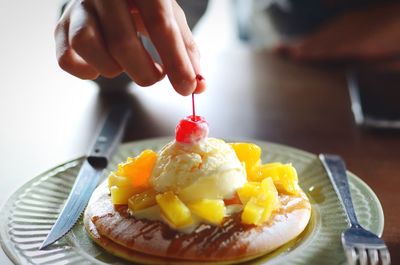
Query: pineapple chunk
[[249, 189], [271, 170], [252, 213], [270, 199], [269, 190], [253, 171], [123, 165], [212, 211], [249, 154], [258, 196], [174, 209], [120, 195], [269, 207], [139, 169], [289, 179], [284, 177], [142, 200], [120, 181]]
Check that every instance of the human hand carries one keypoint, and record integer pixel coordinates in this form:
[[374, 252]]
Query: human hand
[[370, 34], [99, 37]]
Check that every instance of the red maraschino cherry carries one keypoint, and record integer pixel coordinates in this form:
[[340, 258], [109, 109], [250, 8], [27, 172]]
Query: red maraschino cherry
[[191, 130]]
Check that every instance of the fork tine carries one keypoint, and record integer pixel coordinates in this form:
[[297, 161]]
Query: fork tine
[[373, 256], [362, 255], [351, 256], [385, 256]]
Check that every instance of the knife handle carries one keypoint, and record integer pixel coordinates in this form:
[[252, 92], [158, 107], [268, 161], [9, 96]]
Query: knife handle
[[109, 137]]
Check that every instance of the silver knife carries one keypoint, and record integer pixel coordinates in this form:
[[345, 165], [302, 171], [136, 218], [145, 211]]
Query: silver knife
[[90, 172]]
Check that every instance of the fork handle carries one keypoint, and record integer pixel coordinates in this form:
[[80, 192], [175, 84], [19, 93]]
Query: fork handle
[[336, 169]]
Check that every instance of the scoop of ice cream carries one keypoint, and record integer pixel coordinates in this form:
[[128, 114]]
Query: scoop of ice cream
[[208, 169]]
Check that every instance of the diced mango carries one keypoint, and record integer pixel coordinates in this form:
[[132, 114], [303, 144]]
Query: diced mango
[[269, 190], [123, 165], [270, 199], [269, 207], [212, 211], [248, 190], [253, 171], [174, 209], [271, 170], [252, 213], [142, 200], [284, 177], [256, 196], [247, 152], [139, 169], [289, 179], [120, 195], [120, 181]]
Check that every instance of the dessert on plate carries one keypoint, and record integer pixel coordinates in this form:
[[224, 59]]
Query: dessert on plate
[[197, 200]]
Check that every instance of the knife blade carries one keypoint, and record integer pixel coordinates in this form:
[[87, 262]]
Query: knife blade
[[90, 172]]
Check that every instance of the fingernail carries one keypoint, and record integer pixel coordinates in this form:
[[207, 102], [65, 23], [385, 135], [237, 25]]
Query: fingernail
[[199, 77]]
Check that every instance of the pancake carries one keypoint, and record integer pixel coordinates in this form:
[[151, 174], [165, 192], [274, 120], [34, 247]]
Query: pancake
[[154, 242]]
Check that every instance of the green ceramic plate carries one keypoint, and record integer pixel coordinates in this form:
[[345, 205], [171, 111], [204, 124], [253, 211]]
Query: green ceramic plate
[[30, 212]]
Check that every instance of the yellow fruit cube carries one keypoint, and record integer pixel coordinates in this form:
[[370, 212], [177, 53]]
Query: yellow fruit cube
[[120, 181], [248, 190], [284, 177], [260, 200], [289, 179], [253, 171], [123, 165], [174, 209], [269, 199], [268, 189], [142, 200], [247, 152], [139, 169], [250, 154], [120, 195], [269, 207], [271, 170], [212, 211], [252, 213]]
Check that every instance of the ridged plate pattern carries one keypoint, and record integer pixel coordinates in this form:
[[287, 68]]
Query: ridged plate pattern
[[29, 213]]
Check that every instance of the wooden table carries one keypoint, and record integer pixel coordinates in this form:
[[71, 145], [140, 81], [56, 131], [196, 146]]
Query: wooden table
[[48, 117]]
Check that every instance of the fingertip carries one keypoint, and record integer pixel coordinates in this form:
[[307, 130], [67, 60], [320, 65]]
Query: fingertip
[[201, 84], [201, 87]]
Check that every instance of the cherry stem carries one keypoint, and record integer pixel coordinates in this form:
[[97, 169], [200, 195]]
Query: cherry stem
[[193, 108]]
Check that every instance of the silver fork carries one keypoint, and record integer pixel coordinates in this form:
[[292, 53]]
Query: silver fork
[[360, 245]]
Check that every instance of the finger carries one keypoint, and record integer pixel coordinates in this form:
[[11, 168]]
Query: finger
[[67, 59], [201, 84], [190, 45], [139, 24], [121, 39], [187, 37], [164, 32], [133, 9], [86, 40]]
